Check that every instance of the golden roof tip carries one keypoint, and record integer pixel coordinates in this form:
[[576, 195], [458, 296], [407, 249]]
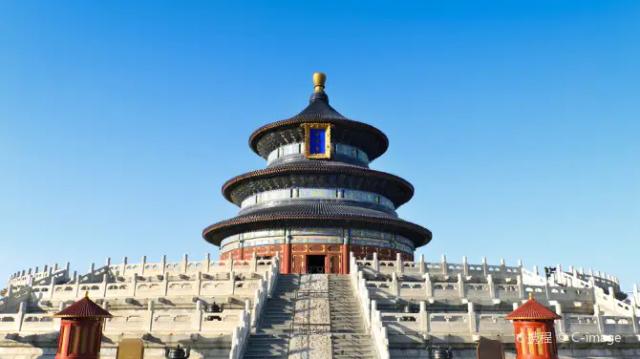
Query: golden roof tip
[[319, 79], [530, 295], [86, 294]]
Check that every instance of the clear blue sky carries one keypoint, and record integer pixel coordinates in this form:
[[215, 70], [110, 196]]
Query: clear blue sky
[[517, 122]]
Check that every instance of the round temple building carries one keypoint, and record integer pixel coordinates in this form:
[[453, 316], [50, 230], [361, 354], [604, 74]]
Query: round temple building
[[317, 199]]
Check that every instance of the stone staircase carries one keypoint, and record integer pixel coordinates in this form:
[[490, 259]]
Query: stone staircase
[[349, 338], [346, 332], [271, 339]]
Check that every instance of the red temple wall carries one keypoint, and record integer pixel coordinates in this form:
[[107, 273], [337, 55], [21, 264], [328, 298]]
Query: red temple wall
[[293, 260]]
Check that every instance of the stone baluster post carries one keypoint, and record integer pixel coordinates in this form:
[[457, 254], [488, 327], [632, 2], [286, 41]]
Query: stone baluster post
[[134, 285], [399, 265], [150, 310], [143, 264], [185, 263], [558, 276], [196, 318], [423, 320], [395, 285], [163, 264], [22, 309], [547, 290], [599, 320], [421, 266], [560, 323], [124, 265], [165, 284], [376, 262], [198, 282], [461, 292], [465, 266], [254, 262], [428, 286], [491, 286], [232, 278], [443, 265], [520, 286], [206, 266], [485, 268], [77, 287], [104, 285], [52, 284], [473, 320]]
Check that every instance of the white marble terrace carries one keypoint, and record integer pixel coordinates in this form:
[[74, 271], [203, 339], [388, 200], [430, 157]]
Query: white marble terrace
[[459, 302], [147, 298]]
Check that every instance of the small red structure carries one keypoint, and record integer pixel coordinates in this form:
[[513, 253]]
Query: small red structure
[[81, 330], [534, 330]]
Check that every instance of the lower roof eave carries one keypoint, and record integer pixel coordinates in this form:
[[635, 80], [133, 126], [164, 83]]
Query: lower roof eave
[[215, 233]]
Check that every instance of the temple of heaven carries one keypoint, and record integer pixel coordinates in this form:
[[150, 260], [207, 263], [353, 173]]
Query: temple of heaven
[[317, 199]]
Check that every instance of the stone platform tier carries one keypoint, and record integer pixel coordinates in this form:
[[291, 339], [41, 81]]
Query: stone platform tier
[[208, 305], [384, 308], [415, 305]]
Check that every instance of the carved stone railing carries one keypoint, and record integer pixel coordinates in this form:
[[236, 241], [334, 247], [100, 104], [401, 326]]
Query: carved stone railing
[[421, 267], [569, 293], [240, 337], [372, 316], [265, 290], [250, 320]]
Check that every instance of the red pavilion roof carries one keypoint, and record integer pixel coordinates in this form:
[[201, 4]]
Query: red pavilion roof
[[532, 310], [84, 308]]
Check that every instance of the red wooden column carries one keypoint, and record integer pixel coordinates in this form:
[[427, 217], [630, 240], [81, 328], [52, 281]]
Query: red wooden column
[[286, 256], [344, 251], [534, 331], [344, 258], [241, 249], [81, 330]]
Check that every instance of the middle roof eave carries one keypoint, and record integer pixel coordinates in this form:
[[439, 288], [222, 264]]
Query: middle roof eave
[[321, 174]]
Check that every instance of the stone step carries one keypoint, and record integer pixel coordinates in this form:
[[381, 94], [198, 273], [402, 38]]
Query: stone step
[[267, 341], [353, 352], [364, 342], [263, 355], [352, 346], [267, 348]]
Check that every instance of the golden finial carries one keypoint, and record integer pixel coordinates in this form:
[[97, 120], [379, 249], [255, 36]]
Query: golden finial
[[318, 81], [86, 294], [530, 295]]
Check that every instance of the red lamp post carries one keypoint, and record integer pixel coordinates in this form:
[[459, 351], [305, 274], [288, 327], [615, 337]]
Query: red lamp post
[[534, 331], [81, 330]]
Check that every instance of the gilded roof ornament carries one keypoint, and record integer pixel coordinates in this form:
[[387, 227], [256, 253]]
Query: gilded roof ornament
[[319, 78]]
